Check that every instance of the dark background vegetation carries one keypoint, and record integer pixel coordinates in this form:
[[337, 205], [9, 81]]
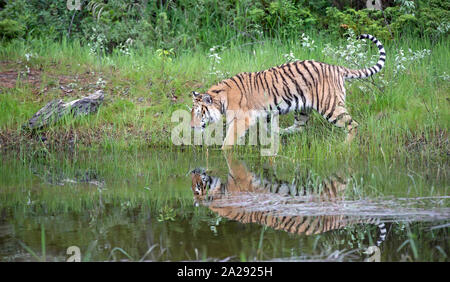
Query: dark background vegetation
[[204, 23]]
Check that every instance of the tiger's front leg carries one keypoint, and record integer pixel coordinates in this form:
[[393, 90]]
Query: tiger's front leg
[[237, 125]]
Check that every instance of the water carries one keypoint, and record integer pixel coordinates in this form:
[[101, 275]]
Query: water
[[171, 206]]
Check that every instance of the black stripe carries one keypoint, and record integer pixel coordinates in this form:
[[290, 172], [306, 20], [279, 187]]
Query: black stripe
[[287, 101], [341, 84], [250, 82], [335, 76], [240, 79], [274, 71], [317, 92], [236, 83], [274, 88], [327, 101], [286, 89], [262, 79], [267, 84], [302, 95], [309, 72], [324, 79], [249, 85], [292, 78], [303, 77], [226, 83], [239, 216], [285, 84], [256, 81], [291, 223], [297, 86], [262, 82], [297, 105], [276, 103], [289, 69], [303, 219], [312, 87]]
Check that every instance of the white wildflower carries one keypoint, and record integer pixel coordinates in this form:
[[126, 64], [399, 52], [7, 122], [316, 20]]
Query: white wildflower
[[215, 60], [307, 42], [290, 57]]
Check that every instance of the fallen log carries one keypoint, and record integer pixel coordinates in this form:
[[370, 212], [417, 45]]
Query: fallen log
[[56, 109]]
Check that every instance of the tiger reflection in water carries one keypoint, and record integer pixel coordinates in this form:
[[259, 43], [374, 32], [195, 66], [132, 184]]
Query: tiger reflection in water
[[223, 199]]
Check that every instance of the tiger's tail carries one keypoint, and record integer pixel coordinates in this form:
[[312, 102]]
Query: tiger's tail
[[363, 73], [381, 228], [382, 236]]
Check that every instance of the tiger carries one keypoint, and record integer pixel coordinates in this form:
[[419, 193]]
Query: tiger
[[231, 200], [299, 86]]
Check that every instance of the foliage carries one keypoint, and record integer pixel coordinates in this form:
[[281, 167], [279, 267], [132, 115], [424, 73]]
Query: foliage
[[11, 29], [434, 18], [166, 214], [369, 21], [186, 24]]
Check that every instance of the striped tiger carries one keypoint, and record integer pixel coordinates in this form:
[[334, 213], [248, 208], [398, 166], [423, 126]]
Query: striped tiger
[[224, 198], [297, 86]]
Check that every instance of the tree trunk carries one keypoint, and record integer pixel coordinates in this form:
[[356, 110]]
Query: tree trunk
[[54, 110]]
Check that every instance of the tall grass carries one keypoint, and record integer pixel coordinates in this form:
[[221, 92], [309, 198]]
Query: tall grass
[[409, 118]]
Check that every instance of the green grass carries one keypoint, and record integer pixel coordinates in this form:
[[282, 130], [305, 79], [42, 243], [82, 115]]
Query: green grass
[[408, 119]]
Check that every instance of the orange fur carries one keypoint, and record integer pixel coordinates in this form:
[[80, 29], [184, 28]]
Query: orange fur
[[298, 86]]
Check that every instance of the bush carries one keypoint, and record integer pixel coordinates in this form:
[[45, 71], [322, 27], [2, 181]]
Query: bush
[[10, 29], [107, 25], [434, 18], [362, 21]]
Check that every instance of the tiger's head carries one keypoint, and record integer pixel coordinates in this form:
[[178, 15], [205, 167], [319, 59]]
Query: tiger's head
[[204, 187], [203, 111]]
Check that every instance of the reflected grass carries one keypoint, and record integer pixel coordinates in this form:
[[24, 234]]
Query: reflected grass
[[125, 213]]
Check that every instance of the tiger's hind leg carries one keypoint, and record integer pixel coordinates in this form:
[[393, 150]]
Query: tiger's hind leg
[[301, 119], [341, 118]]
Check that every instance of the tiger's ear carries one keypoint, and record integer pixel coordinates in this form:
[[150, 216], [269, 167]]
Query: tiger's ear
[[195, 94], [207, 99]]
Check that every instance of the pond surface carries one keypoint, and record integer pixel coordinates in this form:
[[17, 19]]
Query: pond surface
[[182, 206]]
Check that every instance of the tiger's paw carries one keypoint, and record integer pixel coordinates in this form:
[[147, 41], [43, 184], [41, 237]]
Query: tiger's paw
[[291, 130]]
